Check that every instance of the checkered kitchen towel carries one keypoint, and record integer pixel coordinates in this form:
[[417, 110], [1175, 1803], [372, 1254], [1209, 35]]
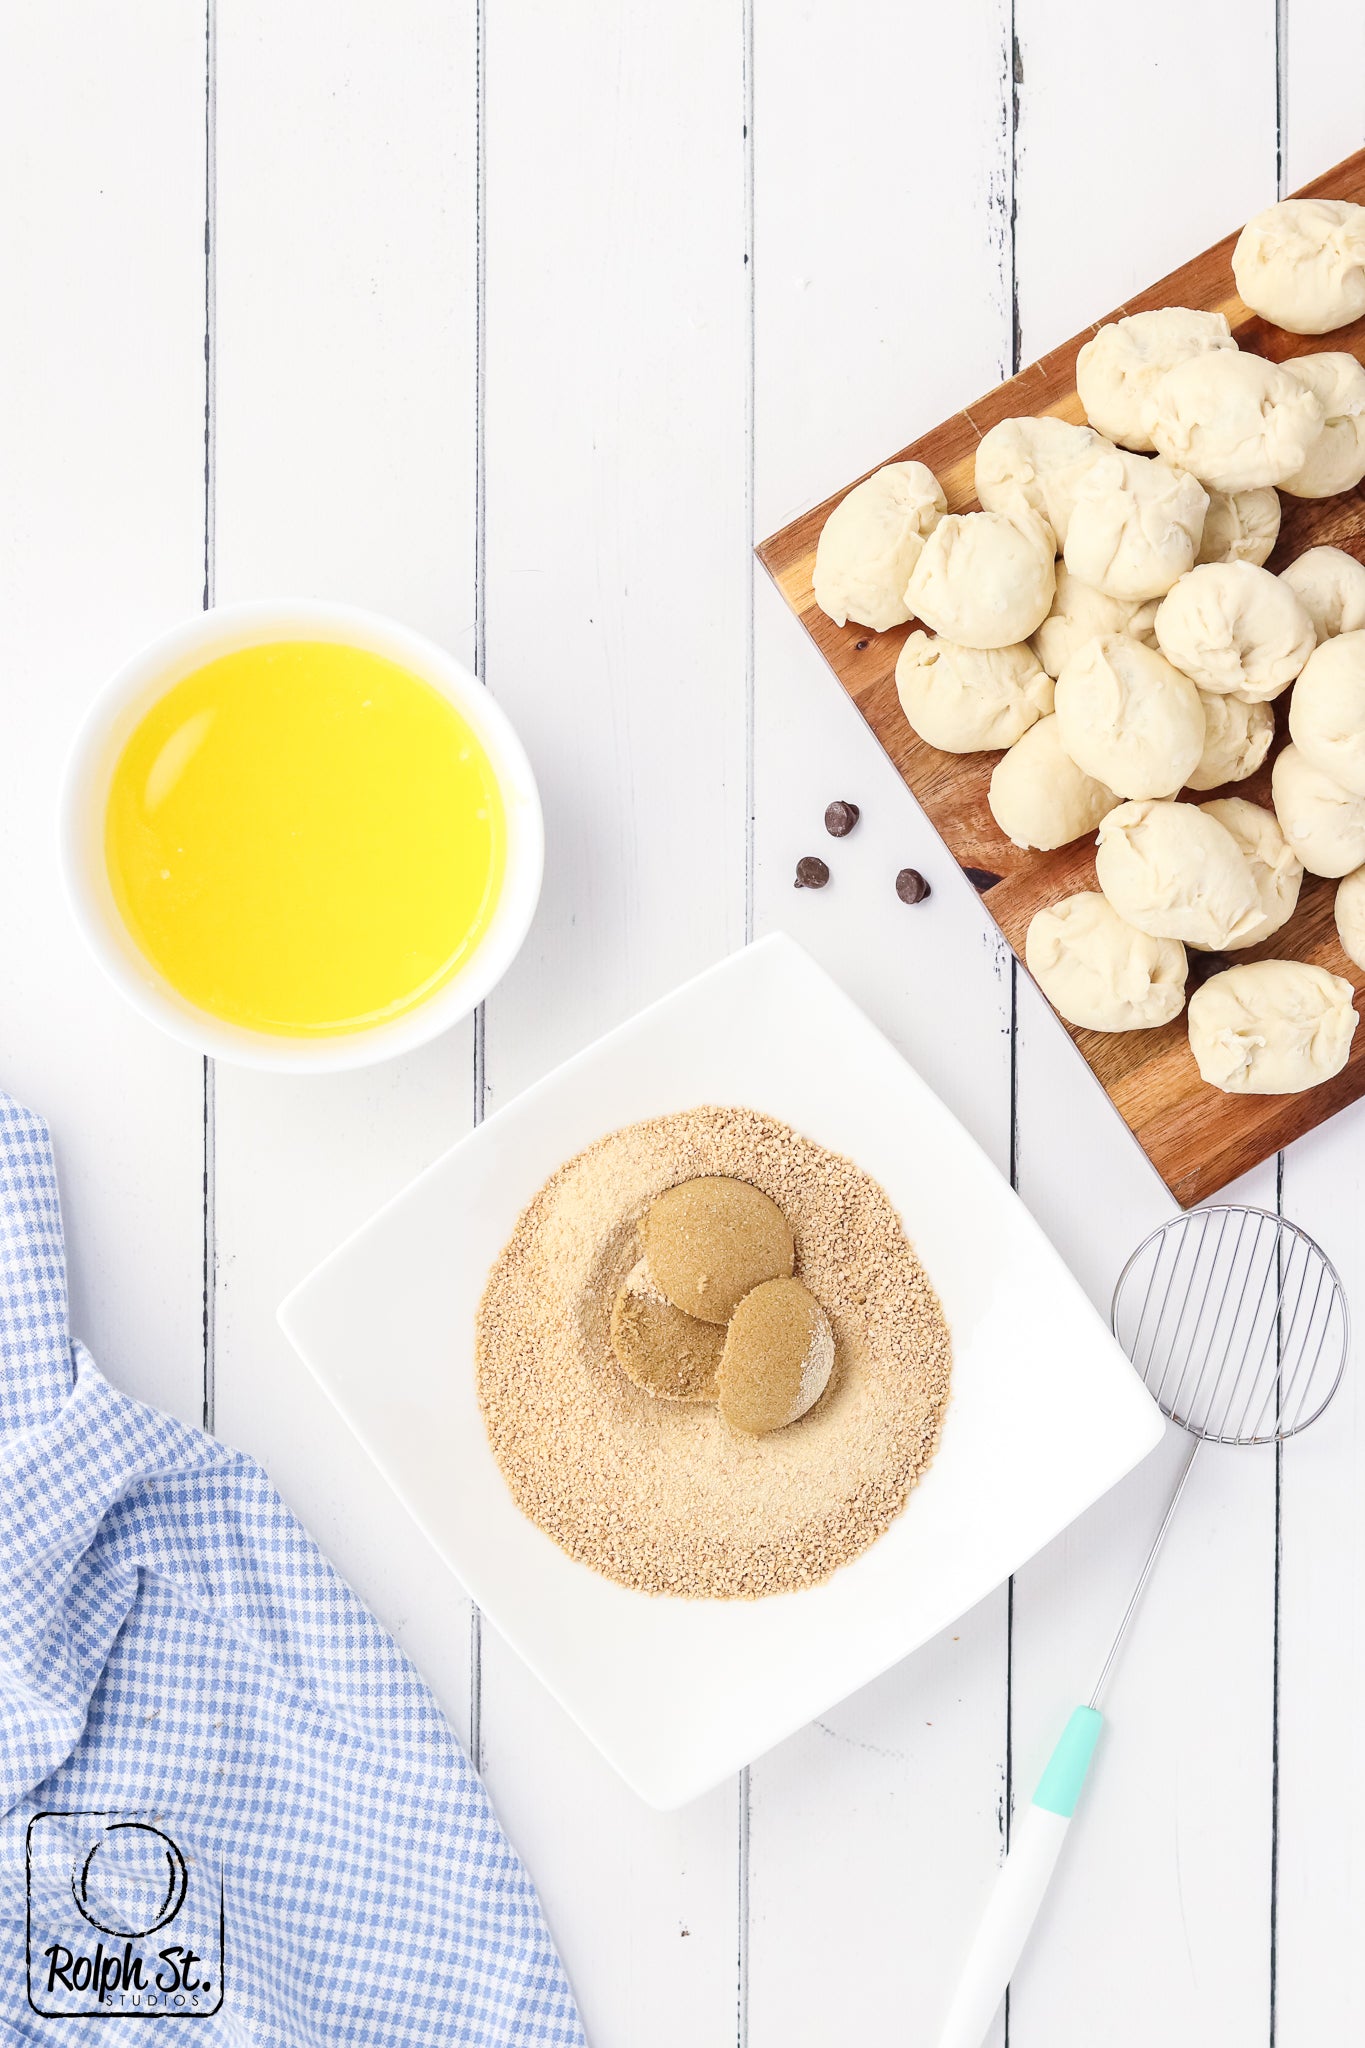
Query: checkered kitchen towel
[[226, 1795]]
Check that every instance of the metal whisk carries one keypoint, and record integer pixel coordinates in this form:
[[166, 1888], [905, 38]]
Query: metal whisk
[[1238, 1324]]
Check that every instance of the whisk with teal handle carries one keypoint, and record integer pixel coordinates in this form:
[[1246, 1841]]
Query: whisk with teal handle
[[1239, 1326]]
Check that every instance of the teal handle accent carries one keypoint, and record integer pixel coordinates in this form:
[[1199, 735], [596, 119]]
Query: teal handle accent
[[1060, 1785]]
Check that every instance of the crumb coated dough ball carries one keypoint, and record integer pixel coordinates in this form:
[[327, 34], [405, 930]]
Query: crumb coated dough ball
[[1330, 585], [1276, 869], [1120, 367], [1231, 626], [1302, 264], [967, 700], [671, 1355], [1350, 916], [1324, 823], [870, 543], [1037, 466], [1327, 710], [1240, 526], [983, 581], [1175, 872], [1133, 537], [1336, 460], [1237, 738], [779, 1353], [1128, 718], [1233, 420], [1039, 797], [1100, 971], [1079, 613], [1271, 1027], [709, 1241]]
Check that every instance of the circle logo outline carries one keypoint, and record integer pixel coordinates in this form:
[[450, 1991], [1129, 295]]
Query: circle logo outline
[[177, 1882]]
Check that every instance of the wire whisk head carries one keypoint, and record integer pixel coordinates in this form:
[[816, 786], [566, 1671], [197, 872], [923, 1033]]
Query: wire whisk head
[[1237, 1322]]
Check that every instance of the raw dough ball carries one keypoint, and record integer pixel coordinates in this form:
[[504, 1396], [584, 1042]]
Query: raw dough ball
[[1330, 585], [1128, 718], [1101, 972], [1232, 626], [1350, 911], [1241, 526], [1080, 612], [1237, 738], [1037, 466], [1336, 460], [709, 1241], [983, 581], [1040, 798], [1327, 710], [671, 1355], [1276, 869], [969, 699], [779, 1353], [1271, 1027], [1235, 421], [1133, 537], [1175, 872], [1302, 264], [870, 543], [1121, 365], [1324, 823]]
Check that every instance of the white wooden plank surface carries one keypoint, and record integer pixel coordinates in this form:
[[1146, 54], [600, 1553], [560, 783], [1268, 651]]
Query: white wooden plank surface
[[1320, 1780], [650, 402], [872, 1833], [616, 580], [344, 467], [101, 545], [1166, 1886]]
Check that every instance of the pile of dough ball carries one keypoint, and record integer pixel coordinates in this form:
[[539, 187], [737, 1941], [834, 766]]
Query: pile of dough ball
[[1108, 621], [713, 1312]]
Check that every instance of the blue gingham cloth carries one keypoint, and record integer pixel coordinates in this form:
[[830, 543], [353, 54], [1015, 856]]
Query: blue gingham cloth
[[174, 1648]]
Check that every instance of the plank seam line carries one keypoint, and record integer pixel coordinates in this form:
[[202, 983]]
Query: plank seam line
[[1012, 81], [743, 1851], [1281, 24], [480, 1060], [209, 1281], [750, 477], [742, 1976]]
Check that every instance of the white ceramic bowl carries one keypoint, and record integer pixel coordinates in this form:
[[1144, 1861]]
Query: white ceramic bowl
[[110, 723]]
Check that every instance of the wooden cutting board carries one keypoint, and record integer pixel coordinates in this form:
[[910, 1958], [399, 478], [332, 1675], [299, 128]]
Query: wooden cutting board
[[1197, 1138]]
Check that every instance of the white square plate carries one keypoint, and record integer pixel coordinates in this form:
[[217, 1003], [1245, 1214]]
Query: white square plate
[[1045, 1414]]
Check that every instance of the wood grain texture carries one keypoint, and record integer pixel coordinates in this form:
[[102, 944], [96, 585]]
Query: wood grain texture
[[1320, 1762], [615, 449], [1157, 1928], [1197, 1138], [874, 1833], [344, 437], [101, 546]]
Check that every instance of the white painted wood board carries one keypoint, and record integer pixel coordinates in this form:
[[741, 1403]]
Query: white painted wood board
[[1320, 1771], [101, 542], [616, 573], [524, 322]]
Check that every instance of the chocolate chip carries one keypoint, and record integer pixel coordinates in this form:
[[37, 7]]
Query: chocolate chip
[[859, 645], [840, 818], [911, 886], [811, 872], [981, 878], [1203, 965]]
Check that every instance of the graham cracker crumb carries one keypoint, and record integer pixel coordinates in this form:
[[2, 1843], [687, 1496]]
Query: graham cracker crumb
[[666, 1497]]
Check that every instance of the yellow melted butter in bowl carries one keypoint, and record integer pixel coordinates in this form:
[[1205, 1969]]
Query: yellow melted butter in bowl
[[305, 838]]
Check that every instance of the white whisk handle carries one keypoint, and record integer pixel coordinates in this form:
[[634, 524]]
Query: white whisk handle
[[1021, 1886]]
